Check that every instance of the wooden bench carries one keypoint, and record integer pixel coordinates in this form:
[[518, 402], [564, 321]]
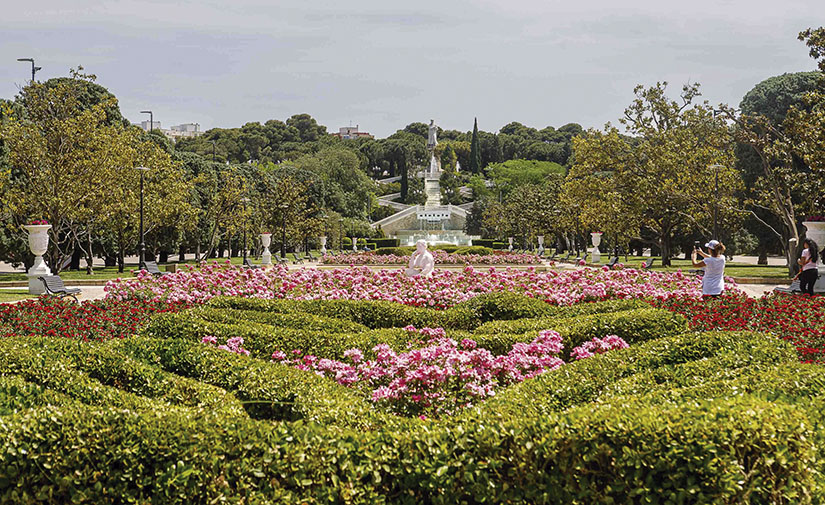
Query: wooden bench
[[55, 287], [612, 262], [248, 264], [297, 259]]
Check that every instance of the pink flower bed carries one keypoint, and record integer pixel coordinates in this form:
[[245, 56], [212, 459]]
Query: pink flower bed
[[440, 257], [444, 375], [443, 289]]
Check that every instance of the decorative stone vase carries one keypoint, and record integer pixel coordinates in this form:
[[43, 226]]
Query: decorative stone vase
[[323, 245], [354, 244], [596, 238], [510, 241], [540, 239], [815, 230], [266, 240], [38, 244]]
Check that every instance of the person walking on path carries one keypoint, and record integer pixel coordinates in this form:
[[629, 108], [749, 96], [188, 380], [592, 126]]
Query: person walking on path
[[807, 262], [713, 282]]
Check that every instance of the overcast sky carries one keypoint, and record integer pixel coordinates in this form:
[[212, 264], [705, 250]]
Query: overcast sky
[[382, 64]]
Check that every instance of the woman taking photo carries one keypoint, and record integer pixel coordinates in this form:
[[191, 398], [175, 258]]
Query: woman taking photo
[[713, 282], [807, 261]]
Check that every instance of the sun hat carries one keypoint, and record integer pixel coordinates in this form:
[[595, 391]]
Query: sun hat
[[713, 244]]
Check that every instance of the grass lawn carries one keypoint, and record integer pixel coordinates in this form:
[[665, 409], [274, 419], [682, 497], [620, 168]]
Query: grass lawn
[[12, 295], [732, 269]]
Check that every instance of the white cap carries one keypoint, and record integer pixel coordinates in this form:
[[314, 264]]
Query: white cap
[[713, 244]]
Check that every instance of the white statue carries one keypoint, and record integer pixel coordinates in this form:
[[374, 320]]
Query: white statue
[[432, 141], [421, 261]]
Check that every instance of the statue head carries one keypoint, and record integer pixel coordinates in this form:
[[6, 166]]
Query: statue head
[[421, 246]]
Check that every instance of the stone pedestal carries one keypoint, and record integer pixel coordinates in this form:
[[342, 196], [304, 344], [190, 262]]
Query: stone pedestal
[[323, 245], [596, 238], [266, 256], [38, 244], [510, 242]]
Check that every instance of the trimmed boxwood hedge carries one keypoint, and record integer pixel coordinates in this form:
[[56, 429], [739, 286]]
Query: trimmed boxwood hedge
[[162, 418]]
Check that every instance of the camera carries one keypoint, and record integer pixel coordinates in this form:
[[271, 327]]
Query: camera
[[696, 245]]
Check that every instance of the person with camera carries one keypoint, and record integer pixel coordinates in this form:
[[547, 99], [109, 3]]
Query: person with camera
[[807, 262], [713, 282]]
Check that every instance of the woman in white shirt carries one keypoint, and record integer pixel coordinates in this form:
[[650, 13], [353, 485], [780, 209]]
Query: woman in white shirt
[[807, 262], [713, 282]]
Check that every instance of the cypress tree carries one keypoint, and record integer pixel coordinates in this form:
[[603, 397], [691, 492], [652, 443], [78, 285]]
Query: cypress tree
[[475, 151]]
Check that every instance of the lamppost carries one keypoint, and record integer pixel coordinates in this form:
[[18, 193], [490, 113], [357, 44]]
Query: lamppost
[[244, 201], [283, 206], [151, 119], [142, 246], [34, 69], [340, 233], [716, 200]]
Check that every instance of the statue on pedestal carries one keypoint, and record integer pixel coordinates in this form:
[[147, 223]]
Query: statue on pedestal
[[432, 141], [421, 262]]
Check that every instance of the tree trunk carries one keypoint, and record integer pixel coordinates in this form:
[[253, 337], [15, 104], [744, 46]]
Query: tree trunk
[[762, 251], [120, 261], [90, 260], [164, 257], [182, 254], [76, 255]]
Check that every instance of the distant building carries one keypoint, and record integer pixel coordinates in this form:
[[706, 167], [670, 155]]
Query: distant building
[[176, 132], [351, 132]]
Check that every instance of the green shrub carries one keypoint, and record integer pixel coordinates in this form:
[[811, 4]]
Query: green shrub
[[267, 390], [478, 250], [396, 251], [372, 314], [504, 305], [633, 326], [500, 245], [448, 248], [378, 243], [293, 319], [724, 451], [483, 242], [97, 375]]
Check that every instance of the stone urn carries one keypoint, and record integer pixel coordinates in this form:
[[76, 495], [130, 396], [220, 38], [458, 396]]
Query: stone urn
[[596, 238], [815, 230], [38, 244], [323, 245], [354, 244], [510, 242], [540, 239], [266, 256]]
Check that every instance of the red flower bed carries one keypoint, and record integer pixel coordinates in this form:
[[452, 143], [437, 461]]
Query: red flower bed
[[91, 320], [799, 319]]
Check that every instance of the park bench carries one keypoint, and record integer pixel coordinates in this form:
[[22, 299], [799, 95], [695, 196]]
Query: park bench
[[310, 257], [55, 287], [582, 258], [152, 268], [297, 259], [281, 260], [248, 264], [647, 265], [612, 262]]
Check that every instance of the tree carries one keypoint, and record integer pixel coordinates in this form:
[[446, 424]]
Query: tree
[[65, 155], [511, 174], [308, 129], [475, 150], [662, 169], [785, 167]]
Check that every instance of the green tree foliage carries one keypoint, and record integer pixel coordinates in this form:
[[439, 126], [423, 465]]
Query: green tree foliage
[[475, 150], [660, 175], [509, 175]]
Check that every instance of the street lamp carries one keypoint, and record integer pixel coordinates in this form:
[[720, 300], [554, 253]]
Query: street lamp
[[142, 246], [283, 206], [340, 233], [151, 119], [244, 201], [716, 200], [34, 69]]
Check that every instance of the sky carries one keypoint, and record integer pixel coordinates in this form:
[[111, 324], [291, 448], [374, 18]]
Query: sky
[[382, 64]]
